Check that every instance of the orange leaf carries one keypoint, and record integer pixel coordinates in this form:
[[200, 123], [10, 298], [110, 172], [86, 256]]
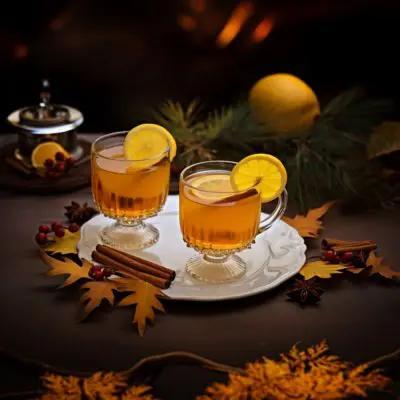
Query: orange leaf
[[104, 385], [145, 296], [309, 225], [379, 267], [95, 294], [66, 267]]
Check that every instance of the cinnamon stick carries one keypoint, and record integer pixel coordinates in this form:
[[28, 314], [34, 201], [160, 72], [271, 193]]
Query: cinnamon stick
[[119, 267], [137, 263], [237, 197], [356, 247], [329, 243]]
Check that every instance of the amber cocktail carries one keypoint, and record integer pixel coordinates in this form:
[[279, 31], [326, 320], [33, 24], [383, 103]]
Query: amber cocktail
[[129, 191], [218, 221]]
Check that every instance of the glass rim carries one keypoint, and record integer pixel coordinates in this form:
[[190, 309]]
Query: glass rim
[[213, 191], [108, 135]]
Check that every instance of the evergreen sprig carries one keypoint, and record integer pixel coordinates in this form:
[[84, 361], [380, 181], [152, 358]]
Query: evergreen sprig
[[327, 162]]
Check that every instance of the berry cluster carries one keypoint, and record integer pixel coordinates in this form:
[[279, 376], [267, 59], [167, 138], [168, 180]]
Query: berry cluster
[[334, 258], [100, 273], [57, 228], [59, 166]]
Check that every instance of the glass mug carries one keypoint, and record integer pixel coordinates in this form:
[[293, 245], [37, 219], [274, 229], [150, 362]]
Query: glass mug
[[218, 221], [128, 191]]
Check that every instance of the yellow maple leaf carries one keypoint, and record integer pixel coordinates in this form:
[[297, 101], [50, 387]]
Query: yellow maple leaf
[[309, 225], [66, 244], [137, 393], [379, 267], [74, 271], [321, 269], [95, 294], [145, 296], [104, 385]]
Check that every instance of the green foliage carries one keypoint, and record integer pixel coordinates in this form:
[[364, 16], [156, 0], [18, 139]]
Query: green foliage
[[385, 139], [328, 162], [183, 123]]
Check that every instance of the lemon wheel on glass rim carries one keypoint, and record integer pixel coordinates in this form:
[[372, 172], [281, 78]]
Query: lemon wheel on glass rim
[[265, 169], [147, 144]]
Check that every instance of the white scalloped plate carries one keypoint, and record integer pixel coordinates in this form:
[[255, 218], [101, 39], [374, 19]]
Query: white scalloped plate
[[277, 255]]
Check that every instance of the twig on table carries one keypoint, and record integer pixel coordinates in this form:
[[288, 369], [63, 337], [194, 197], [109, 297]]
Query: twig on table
[[182, 357], [384, 360], [22, 395]]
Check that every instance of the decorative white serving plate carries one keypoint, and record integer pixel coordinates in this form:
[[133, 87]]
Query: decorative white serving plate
[[277, 255]]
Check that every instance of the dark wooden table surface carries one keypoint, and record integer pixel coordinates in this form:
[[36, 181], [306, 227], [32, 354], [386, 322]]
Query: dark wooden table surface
[[360, 321]]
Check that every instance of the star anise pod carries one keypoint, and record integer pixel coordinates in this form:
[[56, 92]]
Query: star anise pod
[[79, 214], [305, 291]]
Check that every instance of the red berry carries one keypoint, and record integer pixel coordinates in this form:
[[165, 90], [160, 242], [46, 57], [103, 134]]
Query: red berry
[[44, 228], [73, 227], [107, 272], [347, 256], [56, 225], [49, 163], [60, 156], [41, 238], [60, 167], [70, 161], [329, 255], [51, 174], [98, 275], [93, 271], [59, 232]]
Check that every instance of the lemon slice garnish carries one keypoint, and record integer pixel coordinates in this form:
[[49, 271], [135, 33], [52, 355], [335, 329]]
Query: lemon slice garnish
[[211, 186], [266, 169], [147, 143], [46, 150]]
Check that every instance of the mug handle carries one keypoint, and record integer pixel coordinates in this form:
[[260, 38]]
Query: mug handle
[[280, 209]]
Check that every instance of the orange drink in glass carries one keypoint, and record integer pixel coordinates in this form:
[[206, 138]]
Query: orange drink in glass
[[128, 190], [219, 220]]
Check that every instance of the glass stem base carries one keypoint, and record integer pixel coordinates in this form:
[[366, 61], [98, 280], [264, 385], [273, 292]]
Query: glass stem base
[[135, 235], [211, 269]]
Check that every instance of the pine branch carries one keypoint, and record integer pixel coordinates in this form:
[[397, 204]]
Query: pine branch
[[216, 122], [182, 123], [352, 111]]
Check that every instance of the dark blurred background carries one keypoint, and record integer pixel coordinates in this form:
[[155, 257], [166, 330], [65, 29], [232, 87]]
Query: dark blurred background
[[114, 59]]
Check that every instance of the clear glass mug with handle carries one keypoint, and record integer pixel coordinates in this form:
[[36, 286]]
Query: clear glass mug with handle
[[218, 221]]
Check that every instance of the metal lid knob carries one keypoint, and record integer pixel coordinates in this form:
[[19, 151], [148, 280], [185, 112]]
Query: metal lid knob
[[46, 114]]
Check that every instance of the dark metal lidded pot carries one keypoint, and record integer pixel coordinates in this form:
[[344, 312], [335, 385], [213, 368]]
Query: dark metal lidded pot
[[46, 122]]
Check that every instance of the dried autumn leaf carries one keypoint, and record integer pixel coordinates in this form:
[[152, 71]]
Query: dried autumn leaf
[[379, 267], [66, 267], [65, 245], [137, 393], [145, 296], [309, 225], [300, 374], [104, 385], [61, 387], [95, 294], [321, 269]]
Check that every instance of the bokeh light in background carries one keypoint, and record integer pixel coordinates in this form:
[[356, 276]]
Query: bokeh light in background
[[114, 60]]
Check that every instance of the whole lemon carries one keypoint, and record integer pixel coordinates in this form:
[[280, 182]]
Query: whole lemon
[[284, 104]]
